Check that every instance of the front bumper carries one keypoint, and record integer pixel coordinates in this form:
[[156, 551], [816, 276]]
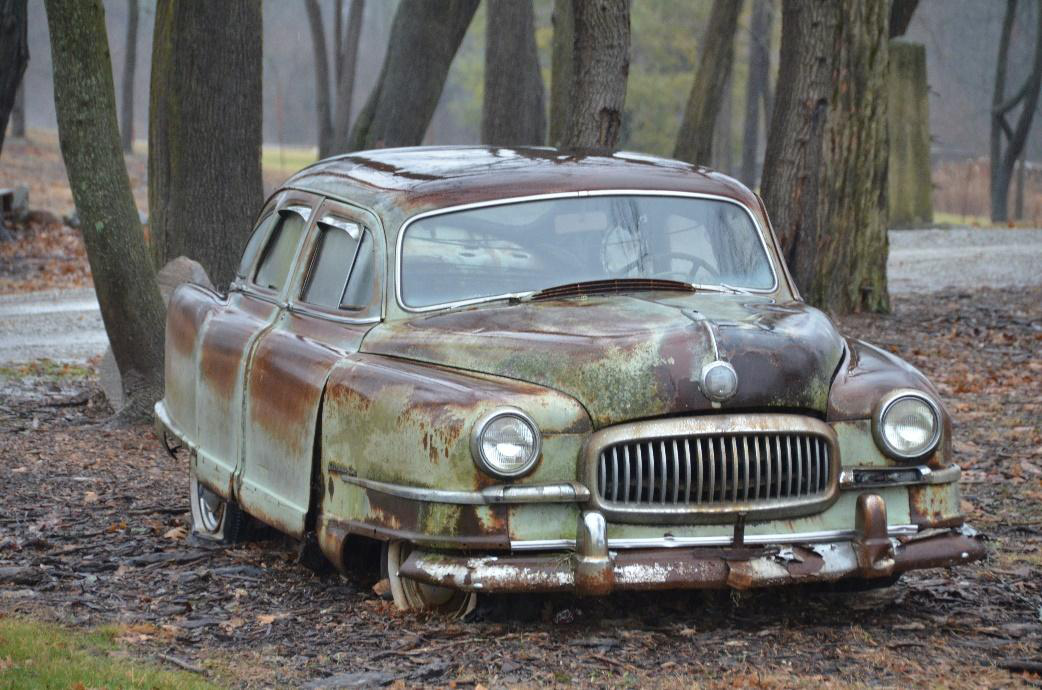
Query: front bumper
[[593, 569]]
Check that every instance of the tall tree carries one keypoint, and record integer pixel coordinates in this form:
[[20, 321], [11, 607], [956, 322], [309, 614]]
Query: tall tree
[[600, 67], [1003, 162], [18, 112], [513, 110], [824, 178], [204, 135], [695, 139], [14, 56], [129, 67], [562, 71], [901, 13], [722, 133], [124, 278], [424, 39], [756, 87], [347, 68], [323, 106]]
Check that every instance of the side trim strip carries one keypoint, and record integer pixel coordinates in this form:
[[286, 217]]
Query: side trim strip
[[875, 477], [823, 537], [566, 492]]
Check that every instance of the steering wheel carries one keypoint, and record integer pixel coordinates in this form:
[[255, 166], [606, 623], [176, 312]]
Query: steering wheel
[[696, 262]]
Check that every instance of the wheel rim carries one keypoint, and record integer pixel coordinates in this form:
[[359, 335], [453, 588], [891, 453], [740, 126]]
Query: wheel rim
[[211, 508], [410, 595]]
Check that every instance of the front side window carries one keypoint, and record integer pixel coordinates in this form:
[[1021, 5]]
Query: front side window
[[281, 249], [529, 246], [342, 272]]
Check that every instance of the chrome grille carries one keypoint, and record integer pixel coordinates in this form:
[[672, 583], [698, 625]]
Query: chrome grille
[[759, 465]]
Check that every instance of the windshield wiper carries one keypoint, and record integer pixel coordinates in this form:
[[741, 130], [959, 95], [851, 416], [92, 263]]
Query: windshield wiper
[[611, 285]]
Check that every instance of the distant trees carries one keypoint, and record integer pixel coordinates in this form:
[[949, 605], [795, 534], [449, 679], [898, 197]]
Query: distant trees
[[1004, 157], [333, 108], [600, 60], [204, 138], [124, 278], [757, 87], [513, 105], [129, 68], [424, 38], [824, 179], [14, 56], [695, 139]]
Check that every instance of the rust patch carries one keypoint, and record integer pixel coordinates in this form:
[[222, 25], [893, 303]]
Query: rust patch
[[865, 375]]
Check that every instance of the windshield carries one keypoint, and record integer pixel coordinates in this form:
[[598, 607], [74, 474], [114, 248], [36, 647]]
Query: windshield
[[524, 247]]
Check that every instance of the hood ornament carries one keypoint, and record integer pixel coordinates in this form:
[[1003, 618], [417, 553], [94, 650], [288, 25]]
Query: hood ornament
[[719, 381]]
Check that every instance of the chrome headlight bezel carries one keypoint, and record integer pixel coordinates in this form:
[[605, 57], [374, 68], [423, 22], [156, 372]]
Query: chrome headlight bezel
[[481, 426], [886, 403]]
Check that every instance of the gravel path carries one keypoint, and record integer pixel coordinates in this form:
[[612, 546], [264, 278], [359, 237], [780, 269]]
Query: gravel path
[[67, 326]]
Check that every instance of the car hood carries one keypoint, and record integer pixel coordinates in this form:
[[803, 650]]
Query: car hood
[[627, 357]]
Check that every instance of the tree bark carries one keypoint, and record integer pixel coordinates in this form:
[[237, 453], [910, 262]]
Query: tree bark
[[204, 173], [600, 67], [347, 71], [129, 67], [513, 111], [424, 39], [562, 71], [756, 85], [824, 179], [124, 278], [18, 112], [324, 124], [901, 13], [695, 139], [1003, 162], [722, 154], [14, 56]]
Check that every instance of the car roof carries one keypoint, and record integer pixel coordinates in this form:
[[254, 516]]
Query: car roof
[[401, 182]]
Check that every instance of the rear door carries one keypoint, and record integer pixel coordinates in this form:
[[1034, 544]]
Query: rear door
[[335, 298], [230, 334]]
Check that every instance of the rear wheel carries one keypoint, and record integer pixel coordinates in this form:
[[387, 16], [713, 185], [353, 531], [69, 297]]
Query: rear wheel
[[410, 595], [213, 517]]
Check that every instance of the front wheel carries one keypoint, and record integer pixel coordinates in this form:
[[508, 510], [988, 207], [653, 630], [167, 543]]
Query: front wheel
[[410, 595], [214, 518]]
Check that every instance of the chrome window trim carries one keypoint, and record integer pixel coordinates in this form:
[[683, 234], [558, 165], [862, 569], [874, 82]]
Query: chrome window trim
[[302, 309], [669, 542], [547, 197]]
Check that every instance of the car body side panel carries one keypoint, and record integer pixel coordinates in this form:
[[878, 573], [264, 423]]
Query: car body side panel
[[190, 306], [224, 350]]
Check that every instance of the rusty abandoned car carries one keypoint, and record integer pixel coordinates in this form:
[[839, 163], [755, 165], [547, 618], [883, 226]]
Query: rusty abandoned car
[[521, 370]]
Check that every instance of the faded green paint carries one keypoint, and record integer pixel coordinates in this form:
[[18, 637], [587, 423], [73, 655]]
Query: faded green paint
[[857, 447]]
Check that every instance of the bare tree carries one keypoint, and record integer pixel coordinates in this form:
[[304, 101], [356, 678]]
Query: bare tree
[[333, 111], [562, 71], [129, 67], [695, 139], [756, 87], [204, 138], [600, 66], [901, 13], [18, 112], [323, 107], [347, 68], [14, 56], [1003, 162], [124, 278], [513, 110], [424, 39], [824, 179]]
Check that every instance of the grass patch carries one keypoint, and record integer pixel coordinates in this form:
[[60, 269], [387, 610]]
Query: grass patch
[[47, 369], [287, 158], [42, 655]]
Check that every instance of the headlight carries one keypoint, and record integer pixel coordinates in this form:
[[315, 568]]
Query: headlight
[[506, 442], [907, 425]]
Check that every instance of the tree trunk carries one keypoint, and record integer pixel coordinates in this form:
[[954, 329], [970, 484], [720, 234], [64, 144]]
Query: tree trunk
[[513, 112], [901, 12], [18, 112], [424, 39], [824, 178], [722, 154], [756, 85], [129, 66], [1018, 192], [14, 56], [695, 139], [348, 68], [324, 125], [600, 66], [124, 279], [562, 71], [1002, 163], [204, 174]]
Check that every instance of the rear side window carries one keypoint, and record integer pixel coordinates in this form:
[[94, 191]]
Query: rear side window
[[278, 255], [342, 274], [260, 233]]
